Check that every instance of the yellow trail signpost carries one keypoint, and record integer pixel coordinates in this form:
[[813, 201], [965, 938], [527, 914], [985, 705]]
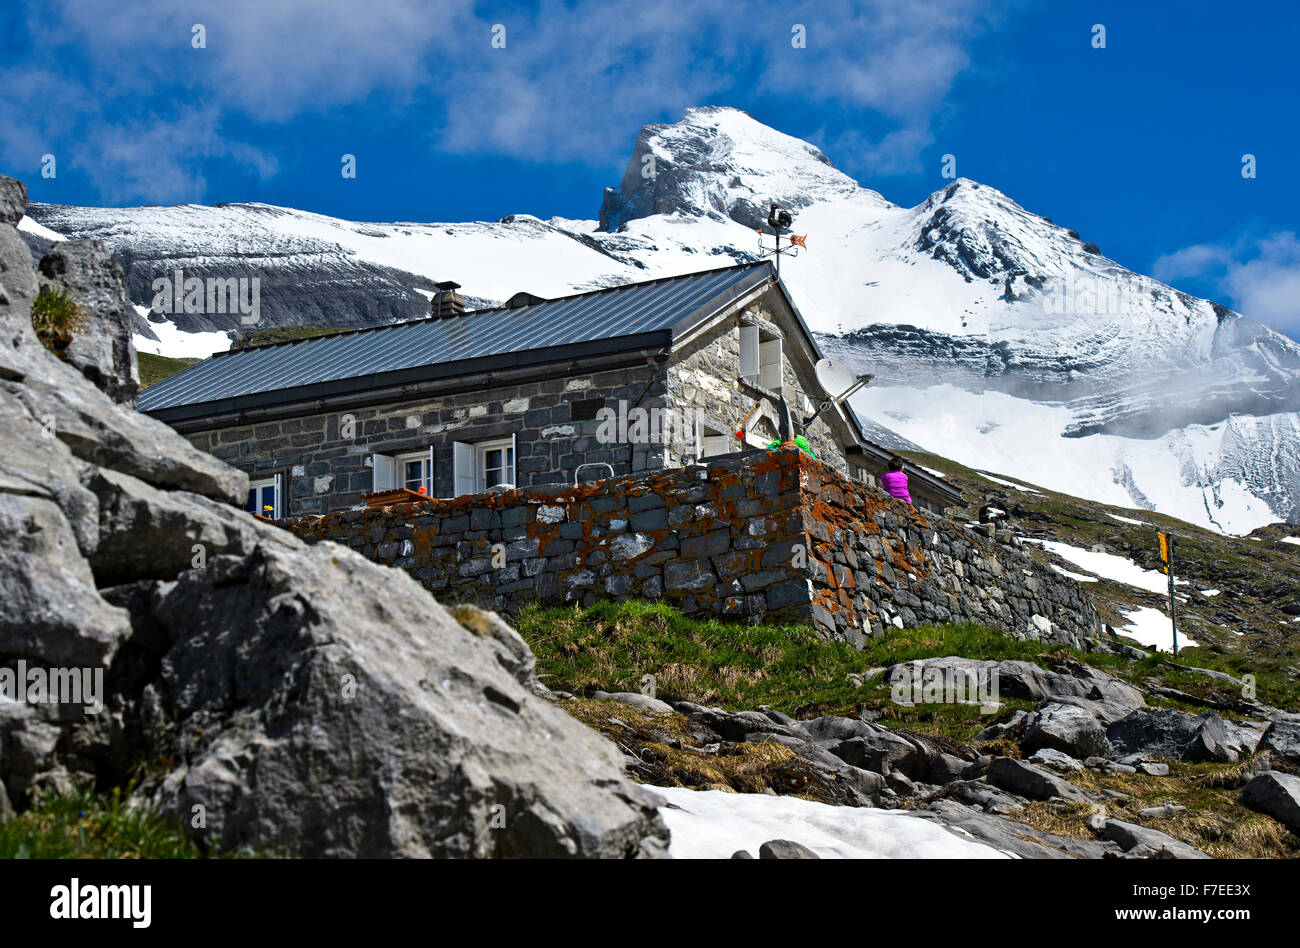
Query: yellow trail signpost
[[1167, 557]]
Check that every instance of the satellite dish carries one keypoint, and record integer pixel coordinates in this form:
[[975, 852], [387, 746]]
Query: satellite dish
[[835, 380]]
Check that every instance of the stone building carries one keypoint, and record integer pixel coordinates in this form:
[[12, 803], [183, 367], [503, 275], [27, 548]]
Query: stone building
[[533, 393]]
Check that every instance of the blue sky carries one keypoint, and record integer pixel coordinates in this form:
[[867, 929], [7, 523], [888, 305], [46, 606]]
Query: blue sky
[[1138, 146]]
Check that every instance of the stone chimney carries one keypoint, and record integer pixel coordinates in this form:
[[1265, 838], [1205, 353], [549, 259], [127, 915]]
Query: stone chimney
[[446, 302]]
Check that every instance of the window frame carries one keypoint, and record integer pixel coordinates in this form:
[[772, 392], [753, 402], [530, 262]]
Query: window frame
[[508, 462], [256, 486], [425, 459]]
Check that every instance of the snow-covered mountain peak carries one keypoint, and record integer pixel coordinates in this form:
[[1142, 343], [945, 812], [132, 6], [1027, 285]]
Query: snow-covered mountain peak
[[995, 336], [724, 164]]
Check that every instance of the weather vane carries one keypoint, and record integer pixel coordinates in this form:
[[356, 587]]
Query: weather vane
[[780, 220]]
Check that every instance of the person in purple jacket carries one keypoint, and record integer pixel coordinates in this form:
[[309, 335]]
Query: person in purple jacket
[[895, 481]]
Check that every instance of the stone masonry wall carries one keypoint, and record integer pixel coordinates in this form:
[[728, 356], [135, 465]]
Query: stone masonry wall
[[760, 535], [326, 471]]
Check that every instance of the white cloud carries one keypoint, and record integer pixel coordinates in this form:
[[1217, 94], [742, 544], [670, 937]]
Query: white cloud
[[1260, 276], [574, 81]]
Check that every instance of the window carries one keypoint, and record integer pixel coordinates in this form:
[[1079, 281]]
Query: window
[[711, 442], [496, 464], [482, 465], [415, 471], [264, 497], [760, 358], [412, 471]]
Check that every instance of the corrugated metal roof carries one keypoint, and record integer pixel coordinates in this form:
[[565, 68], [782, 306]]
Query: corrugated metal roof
[[667, 305]]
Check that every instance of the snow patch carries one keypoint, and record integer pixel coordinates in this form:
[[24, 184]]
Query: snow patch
[[176, 343], [1151, 627], [713, 824], [1077, 577], [38, 230], [1013, 486], [1108, 566]]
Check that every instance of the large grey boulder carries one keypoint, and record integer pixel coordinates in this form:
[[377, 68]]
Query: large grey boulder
[[101, 349], [1028, 780], [52, 612], [1142, 842], [785, 849], [1108, 698], [1174, 734], [1066, 728], [315, 701], [1282, 740], [1276, 794]]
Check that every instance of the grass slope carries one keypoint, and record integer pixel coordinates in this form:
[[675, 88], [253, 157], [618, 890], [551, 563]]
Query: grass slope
[[612, 647], [155, 368]]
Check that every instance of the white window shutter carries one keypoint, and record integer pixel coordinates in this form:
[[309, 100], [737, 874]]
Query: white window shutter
[[462, 462], [769, 364], [385, 472], [715, 445], [429, 473], [278, 502], [509, 476], [748, 351]]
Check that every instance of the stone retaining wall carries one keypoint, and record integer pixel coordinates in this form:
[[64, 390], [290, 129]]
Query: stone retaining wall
[[770, 535]]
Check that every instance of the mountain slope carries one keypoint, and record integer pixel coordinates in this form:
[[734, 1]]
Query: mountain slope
[[996, 337]]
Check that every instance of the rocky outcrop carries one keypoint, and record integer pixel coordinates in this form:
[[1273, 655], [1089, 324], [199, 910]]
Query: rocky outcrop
[[1066, 728], [1144, 842], [1282, 740], [1276, 794], [101, 349], [13, 200], [280, 697], [1176, 735]]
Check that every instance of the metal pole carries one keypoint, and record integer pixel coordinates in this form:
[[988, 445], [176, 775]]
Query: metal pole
[[1173, 613]]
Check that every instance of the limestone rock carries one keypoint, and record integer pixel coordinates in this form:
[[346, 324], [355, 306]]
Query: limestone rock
[[1141, 842], [785, 849], [1066, 728], [101, 349], [635, 699], [1173, 734], [1276, 794], [1027, 780], [13, 200], [356, 717], [1282, 740]]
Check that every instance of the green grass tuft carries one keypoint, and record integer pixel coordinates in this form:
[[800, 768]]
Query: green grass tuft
[[56, 317], [87, 825]]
